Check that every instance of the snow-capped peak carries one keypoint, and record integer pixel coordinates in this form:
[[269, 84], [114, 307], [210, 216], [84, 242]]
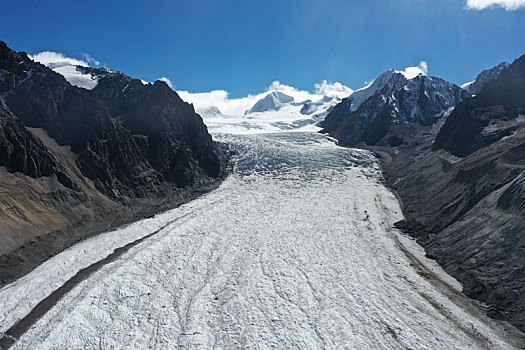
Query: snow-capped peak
[[273, 101], [391, 79], [211, 112]]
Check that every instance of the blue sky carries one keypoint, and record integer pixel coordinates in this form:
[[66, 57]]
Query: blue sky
[[242, 46]]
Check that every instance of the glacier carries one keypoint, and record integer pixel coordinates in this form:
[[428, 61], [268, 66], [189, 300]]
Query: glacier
[[295, 250]]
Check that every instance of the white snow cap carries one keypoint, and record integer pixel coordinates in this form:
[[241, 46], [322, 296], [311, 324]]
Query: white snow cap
[[385, 79], [509, 5], [67, 67]]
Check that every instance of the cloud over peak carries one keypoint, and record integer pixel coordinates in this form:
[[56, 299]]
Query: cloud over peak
[[90, 60], [412, 72], [326, 88], [509, 5], [56, 59], [167, 81]]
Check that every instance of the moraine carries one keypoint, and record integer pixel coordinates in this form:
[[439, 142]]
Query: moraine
[[295, 250]]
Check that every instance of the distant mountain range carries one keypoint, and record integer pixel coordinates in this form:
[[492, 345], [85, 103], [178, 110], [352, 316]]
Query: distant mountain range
[[275, 111], [276, 100]]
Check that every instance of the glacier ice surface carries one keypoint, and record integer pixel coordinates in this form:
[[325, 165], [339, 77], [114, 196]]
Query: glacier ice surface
[[295, 250]]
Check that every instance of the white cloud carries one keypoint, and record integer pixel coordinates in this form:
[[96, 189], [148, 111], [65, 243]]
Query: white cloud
[[333, 89], [167, 81], [408, 72], [412, 72], [220, 99], [509, 5], [90, 60], [237, 106], [298, 95], [56, 59]]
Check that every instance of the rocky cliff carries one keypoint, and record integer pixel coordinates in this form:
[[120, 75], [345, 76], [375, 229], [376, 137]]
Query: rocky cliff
[[461, 183], [74, 162]]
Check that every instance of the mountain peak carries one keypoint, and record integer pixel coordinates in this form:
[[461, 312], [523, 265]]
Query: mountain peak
[[474, 87], [389, 80], [391, 99], [210, 112], [273, 101]]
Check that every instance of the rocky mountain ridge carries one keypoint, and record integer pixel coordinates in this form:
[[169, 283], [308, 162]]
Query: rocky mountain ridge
[[367, 114], [77, 161], [484, 77]]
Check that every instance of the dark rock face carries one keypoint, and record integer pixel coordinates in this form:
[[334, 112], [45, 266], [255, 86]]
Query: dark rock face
[[178, 143], [488, 116], [421, 100], [484, 77], [91, 159], [106, 152], [463, 192], [20, 151]]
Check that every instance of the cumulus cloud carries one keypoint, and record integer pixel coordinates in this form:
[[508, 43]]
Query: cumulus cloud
[[219, 98], [509, 5], [56, 59], [333, 89], [167, 81], [412, 72]]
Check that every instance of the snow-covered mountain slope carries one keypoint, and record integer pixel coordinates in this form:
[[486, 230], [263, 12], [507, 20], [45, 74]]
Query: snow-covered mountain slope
[[392, 98], [279, 108], [291, 110], [290, 117], [386, 83], [274, 112], [271, 102], [295, 250], [211, 112], [78, 75], [474, 87]]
